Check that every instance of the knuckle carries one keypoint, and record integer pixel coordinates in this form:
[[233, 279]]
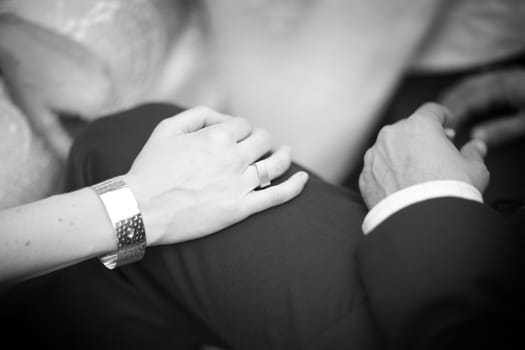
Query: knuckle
[[481, 173], [431, 106], [385, 132], [231, 162], [362, 181], [201, 109], [164, 126], [220, 135], [237, 161], [286, 160], [485, 173], [283, 157], [243, 122], [368, 156], [433, 109], [263, 135], [416, 124], [281, 164]]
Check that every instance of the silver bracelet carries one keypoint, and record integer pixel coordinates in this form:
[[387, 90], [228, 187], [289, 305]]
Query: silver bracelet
[[123, 211]]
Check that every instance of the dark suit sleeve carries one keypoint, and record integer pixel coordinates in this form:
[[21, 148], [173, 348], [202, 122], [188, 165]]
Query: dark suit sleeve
[[443, 273]]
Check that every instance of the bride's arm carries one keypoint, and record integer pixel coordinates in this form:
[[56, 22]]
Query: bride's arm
[[52, 233], [194, 176]]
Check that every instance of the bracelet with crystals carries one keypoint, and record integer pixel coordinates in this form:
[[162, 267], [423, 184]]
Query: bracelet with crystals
[[123, 211]]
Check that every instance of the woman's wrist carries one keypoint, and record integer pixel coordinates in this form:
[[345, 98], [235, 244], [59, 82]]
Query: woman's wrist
[[126, 219], [88, 214], [145, 202], [169, 217]]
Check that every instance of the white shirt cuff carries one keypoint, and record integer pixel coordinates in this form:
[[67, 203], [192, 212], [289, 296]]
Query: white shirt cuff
[[418, 193]]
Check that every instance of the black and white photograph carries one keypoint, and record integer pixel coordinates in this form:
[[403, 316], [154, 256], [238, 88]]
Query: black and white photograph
[[262, 174]]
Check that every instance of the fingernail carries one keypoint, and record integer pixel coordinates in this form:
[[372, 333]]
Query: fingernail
[[451, 133], [482, 147], [303, 175]]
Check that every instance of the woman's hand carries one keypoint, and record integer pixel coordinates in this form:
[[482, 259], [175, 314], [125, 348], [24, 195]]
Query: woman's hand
[[195, 175], [477, 96]]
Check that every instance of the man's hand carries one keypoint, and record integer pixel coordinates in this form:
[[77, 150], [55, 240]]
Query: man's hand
[[477, 96], [195, 175], [417, 150]]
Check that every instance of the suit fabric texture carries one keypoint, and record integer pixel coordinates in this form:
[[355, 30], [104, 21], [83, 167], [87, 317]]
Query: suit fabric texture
[[444, 273]]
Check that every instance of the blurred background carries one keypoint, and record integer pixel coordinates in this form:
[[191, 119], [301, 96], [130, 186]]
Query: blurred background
[[64, 63], [321, 75]]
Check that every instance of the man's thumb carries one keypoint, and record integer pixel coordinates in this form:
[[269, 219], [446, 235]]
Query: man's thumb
[[474, 150]]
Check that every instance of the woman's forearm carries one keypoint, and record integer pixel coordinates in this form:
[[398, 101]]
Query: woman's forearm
[[52, 233], [195, 176]]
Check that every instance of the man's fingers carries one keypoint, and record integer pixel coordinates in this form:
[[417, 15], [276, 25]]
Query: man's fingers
[[192, 120], [474, 150], [501, 130], [434, 112], [276, 165], [466, 97], [480, 92], [257, 201]]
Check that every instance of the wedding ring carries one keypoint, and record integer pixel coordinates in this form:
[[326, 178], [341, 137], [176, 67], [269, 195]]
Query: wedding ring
[[264, 176]]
